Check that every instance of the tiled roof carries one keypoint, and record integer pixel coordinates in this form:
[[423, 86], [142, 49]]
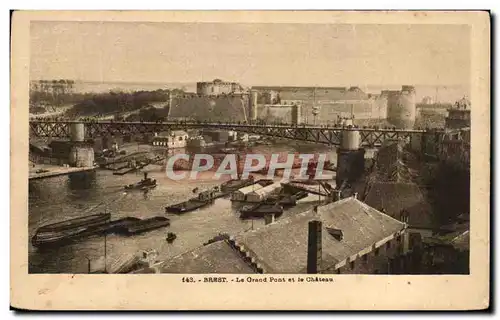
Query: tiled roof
[[216, 257], [391, 164], [267, 189], [282, 247], [394, 197]]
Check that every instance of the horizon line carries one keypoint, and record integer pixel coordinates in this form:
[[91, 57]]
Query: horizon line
[[252, 85]]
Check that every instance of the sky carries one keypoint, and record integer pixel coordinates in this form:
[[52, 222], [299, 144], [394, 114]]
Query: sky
[[252, 54]]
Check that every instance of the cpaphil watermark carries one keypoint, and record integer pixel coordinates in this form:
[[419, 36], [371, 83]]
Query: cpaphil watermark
[[309, 166]]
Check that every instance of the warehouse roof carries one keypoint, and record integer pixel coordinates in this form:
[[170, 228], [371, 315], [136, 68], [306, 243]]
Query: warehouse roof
[[282, 247], [267, 189], [216, 257], [248, 189]]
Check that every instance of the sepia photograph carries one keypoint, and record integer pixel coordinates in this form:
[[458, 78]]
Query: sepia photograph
[[216, 151]]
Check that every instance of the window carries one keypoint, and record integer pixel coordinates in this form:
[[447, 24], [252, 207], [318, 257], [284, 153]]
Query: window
[[352, 265], [180, 138], [388, 245], [377, 251], [365, 258], [398, 238]]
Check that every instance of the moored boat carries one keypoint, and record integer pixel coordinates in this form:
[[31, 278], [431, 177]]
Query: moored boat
[[260, 210], [146, 225], [84, 221], [187, 206], [56, 237], [288, 200]]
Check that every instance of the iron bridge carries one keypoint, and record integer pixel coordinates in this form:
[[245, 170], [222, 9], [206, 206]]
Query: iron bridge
[[331, 135]]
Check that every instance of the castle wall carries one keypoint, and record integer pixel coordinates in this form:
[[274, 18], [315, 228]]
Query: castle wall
[[224, 108], [402, 108], [332, 102], [278, 113]]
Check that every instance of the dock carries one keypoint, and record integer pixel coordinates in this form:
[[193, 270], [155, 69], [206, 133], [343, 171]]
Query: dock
[[54, 171]]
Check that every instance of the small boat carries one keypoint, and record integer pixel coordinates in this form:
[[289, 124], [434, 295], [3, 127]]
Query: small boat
[[146, 225], [146, 183], [187, 206], [171, 237], [260, 210]]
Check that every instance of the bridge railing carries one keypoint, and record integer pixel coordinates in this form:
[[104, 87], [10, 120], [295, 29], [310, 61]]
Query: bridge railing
[[220, 124]]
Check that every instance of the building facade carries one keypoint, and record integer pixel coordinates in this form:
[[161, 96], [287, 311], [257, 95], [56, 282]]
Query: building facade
[[176, 139]]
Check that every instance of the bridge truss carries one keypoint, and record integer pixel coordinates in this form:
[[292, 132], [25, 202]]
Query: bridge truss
[[331, 135]]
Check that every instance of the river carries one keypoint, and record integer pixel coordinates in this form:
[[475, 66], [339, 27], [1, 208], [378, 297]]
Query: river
[[59, 198]]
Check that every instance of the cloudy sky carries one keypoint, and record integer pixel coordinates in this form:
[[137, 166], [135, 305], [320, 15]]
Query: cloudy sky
[[253, 54]]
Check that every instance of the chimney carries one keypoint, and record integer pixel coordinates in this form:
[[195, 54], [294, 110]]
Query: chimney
[[269, 218], [314, 251]]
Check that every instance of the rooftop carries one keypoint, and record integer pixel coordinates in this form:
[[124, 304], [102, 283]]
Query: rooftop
[[397, 198], [392, 186], [251, 188], [349, 227], [265, 190], [216, 257], [282, 247]]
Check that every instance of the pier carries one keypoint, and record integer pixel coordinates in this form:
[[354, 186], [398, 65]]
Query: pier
[[49, 171]]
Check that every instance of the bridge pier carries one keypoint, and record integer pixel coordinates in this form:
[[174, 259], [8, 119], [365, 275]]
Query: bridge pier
[[350, 157]]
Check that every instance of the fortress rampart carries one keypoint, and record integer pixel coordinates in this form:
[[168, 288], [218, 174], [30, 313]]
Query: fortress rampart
[[219, 100]]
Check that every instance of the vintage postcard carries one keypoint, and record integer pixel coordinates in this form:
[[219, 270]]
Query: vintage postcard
[[232, 160]]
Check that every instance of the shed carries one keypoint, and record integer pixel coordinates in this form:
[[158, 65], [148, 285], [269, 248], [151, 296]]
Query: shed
[[241, 194], [261, 194]]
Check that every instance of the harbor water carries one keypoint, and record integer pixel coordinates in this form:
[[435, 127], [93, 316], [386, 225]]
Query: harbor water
[[64, 197]]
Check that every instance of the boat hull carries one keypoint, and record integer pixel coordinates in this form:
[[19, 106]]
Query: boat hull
[[85, 221], [147, 225], [69, 236], [187, 206], [261, 210]]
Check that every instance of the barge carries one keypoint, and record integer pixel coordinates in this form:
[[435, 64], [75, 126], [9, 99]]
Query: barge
[[60, 234], [187, 206], [85, 221], [260, 210], [287, 200], [65, 231], [146, 225]]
